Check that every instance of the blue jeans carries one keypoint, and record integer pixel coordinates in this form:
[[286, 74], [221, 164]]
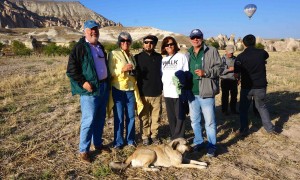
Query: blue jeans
[[93, 109], [207, 107], [124, 104], [259, 96]]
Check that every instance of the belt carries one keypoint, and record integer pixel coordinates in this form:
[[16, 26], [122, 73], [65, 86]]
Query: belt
[[102, 80]]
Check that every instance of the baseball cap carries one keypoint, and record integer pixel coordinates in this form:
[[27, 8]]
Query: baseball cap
[[229, 49], [196, 32], [90, 24]]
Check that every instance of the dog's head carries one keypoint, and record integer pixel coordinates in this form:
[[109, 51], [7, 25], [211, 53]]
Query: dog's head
[[180, 145]]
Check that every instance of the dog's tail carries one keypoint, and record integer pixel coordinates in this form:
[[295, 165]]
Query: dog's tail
[[120, 165]]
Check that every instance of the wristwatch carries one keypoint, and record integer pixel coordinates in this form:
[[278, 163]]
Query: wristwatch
[[204, 74]]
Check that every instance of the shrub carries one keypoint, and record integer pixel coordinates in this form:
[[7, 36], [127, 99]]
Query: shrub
[[109, 46], [50, 49], [61, 50], [212, 43], [215, 44], [260, 46], [137, 45], [20, 49], [53, 49]]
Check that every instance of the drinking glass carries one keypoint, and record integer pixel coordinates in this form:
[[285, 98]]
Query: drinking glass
[[198, 67], [131, 72]]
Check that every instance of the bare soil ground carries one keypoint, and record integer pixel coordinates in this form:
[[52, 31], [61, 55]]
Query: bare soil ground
[[40, 120]]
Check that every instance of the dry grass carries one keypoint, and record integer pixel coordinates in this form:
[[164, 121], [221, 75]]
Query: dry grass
[[40, 119]]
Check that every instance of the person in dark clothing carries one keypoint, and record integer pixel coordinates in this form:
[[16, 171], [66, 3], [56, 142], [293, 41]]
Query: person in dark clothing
[[88, 73], [250, 65], [150, 88], [228, 82]]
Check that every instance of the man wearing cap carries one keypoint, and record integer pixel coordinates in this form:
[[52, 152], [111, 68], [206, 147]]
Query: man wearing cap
[[228, 82], [205, 64], [150, 88], [88, 73]]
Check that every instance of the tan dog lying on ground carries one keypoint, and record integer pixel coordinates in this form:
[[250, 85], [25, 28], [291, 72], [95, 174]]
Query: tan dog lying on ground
[[168, 155]]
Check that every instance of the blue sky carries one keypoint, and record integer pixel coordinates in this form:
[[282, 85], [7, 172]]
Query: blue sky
[[273, 18]]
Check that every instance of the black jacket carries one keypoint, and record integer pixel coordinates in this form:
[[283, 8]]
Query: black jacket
[[81, 68], [149, 74], [251, 64]]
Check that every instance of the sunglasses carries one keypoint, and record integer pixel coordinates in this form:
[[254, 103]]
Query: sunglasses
[[195, 37], [170, 44], [147, 42], [125, 40]]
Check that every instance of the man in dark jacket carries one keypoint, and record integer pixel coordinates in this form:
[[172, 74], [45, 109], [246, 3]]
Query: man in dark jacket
[[88, 73], [250, 65], [150, 88]]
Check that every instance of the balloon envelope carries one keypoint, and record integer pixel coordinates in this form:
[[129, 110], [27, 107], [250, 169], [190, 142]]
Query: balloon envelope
[[250, 10]]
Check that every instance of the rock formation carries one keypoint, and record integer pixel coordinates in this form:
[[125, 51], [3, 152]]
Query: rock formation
[[37, 13], [282, 45]]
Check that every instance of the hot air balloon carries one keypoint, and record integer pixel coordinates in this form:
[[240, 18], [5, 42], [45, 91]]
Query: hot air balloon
[[250, 10]]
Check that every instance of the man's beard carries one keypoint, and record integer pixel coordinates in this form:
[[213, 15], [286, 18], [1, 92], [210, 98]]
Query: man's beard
[[149, 50]]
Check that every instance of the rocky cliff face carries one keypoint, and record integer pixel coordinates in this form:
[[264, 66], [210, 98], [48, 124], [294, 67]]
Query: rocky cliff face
[[38, 13]]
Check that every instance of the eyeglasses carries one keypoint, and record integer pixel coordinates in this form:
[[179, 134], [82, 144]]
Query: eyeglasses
[[147, 42], [170, 44], [125, 40], [195, 37]]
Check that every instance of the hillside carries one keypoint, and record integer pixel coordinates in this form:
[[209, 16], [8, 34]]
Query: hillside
[[40, 120], [41, 13], [64, 35]]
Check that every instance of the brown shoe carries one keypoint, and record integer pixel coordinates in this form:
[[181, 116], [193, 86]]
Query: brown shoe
[[103, 148], [85, 157]]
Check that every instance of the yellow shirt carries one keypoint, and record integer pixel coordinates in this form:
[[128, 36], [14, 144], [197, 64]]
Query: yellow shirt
[[117, 59]]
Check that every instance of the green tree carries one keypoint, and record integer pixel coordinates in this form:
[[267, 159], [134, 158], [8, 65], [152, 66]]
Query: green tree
[[50, 49], [109, 46], [215, 44], [212, 43], [20, 49], [61, 50], [137, 45], [260, 46]]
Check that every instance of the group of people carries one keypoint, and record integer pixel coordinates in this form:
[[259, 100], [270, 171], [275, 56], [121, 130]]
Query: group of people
[[123, 82]]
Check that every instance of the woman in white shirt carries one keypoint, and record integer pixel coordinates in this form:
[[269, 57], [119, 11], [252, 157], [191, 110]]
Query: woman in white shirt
[[171, 63]]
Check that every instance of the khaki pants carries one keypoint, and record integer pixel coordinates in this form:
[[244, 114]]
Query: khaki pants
[[150, 116]]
